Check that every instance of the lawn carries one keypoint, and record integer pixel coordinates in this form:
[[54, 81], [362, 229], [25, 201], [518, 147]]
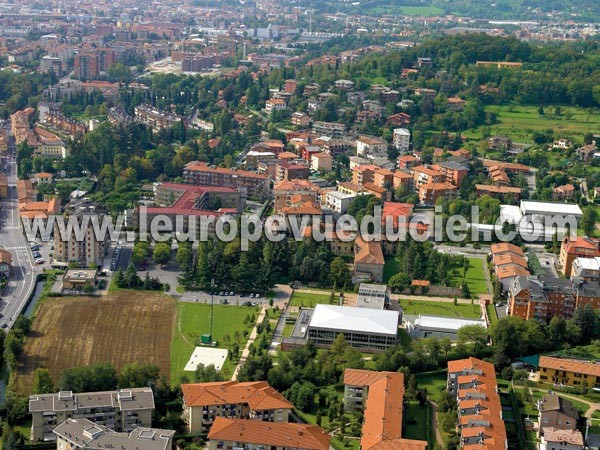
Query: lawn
[[308, 299], [475, 277], [418, 423], [434, 382], [120, 328], [519, 122], [391, 268], [491, 312], [421, 11], [447, 309], [193, 320]]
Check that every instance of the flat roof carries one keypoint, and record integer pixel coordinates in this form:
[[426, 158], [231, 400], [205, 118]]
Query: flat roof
[[445, 323], [350, 318], [563, 209], [206, 356]]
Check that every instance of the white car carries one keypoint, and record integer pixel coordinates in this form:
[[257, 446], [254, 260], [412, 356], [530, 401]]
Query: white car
[[39, 261]]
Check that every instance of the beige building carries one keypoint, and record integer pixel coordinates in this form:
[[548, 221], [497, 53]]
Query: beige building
[[204, 402], [79, 279], [83, 434], [122, 410]]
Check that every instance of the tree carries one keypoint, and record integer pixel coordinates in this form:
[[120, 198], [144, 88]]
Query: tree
[[472, 334], [586, 320], [136, 375], [339, 273], [399, 282], [42, 381], [162, 253], [588, 220]]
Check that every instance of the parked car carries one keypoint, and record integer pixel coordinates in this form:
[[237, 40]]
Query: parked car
[[39, 261]]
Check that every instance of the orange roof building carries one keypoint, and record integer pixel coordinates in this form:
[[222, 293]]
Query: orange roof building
[[576, 247], [203, 402], [473, 381], [380, 395], [368, 259], [570, 372], [238, 433]]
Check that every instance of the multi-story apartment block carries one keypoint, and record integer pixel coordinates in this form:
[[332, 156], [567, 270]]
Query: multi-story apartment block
[[576, 247], [542, 298], [291, 171], [155, 118], [473, 382], [430, 192], [248, 183], [123, 410], [453, 171], [204, 402], [380, 395], [240, 434], [587, 269], [87, 249], [570, 372], [83, 434], [401, 139], [371, 146], [332, 129], [286, 193]]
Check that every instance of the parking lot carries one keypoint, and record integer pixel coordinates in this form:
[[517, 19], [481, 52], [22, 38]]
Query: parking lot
[[230, 299]]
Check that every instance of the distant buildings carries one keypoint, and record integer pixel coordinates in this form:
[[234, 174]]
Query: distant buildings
[[123, 410], [155, 118], [401, 139]]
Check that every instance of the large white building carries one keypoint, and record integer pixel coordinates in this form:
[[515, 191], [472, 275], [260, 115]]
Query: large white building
[[363, 328], [424, 326], [370, 147], [338, 201], [401, 139]]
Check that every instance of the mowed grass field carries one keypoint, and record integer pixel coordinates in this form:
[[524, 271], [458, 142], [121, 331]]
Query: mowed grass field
[[446, 309], [475, 277], [193, 320], [120, 328], [308, 299], [519, 122]]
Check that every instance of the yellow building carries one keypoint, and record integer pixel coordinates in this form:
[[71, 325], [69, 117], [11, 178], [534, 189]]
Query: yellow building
[[570, 372]]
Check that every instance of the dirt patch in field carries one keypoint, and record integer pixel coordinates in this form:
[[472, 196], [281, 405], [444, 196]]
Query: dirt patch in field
[[119, 328]]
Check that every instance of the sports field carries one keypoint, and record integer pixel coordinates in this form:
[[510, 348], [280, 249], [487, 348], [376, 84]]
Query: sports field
[[446, 309], [120, 328]]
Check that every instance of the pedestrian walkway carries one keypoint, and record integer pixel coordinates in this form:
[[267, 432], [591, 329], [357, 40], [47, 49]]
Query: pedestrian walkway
[[251, 339]]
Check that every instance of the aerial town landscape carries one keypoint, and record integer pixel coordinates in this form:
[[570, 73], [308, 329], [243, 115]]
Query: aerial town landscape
[[300, 225]]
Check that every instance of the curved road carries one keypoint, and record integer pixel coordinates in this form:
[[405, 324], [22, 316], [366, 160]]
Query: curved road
[[22, 280]]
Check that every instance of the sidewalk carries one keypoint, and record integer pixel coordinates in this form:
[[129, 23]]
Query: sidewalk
[[251, 339]]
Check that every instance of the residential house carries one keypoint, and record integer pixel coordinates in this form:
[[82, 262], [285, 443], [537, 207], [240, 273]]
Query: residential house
[[321, 162], [565, 192], [569, 372], [203, 403], [499, 192], [286, 193], [300, 119], [399, 119], [480, 421], [121, 411], [83, 434], [252, 184], [368, 260], [586, 268], [291, 171], [401, 139], [431, 191], [554, 439], [576, 247], [370, 146], [587, 152], [556, 412]]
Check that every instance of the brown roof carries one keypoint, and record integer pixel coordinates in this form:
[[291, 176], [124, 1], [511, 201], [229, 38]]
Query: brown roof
[[276, 434], [199, 166], [493, 189], [368, 252], [506, 247], [511, 271], [258, 395], [5, 257], [570, 365], [573, 437], [510, 258], [309, 208]]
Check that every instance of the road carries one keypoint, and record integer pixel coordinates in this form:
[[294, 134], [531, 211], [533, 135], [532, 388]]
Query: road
[[22, 280]]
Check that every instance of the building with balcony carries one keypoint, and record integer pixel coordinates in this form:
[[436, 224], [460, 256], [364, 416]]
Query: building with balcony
[[83, 434], [203, 403], [121, 411], [570, 372], [250, 184], [480, 422]]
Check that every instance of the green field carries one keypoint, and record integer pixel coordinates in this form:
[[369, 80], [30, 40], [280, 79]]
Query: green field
[[418, 423], [391, 268], [519, 122], [475, 277], [193, 320], [447, 309], [491, 312], [421, 11], [308, 299], [434, 382]]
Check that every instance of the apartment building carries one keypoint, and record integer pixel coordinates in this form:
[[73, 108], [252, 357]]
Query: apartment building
[[338, 201], [423, 175], [86, 249], [371, 146], [380, 395], [155, 118], [240, 434], [250, 184], [122, 410], [83, 434], [570, 372], [332, 129], [453, 172], [542, 298], [509, 262], [203, 403], [300, 119], [401, 139], [576, 247], [291, 171], [587, 269], [286, 193], [499, 192], [473, 382], [430, 192], [275, 104]]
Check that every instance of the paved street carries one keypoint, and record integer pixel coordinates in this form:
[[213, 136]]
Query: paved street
[[22, 280]]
